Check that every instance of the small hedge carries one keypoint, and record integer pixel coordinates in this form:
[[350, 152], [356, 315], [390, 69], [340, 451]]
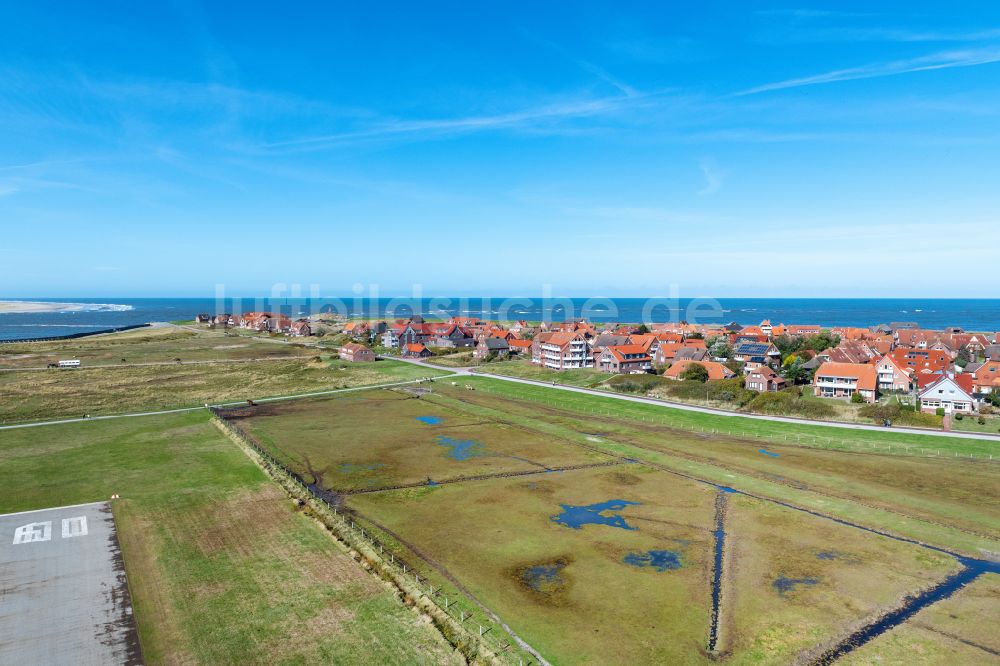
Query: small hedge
[[729, 391], [787, 403], [637, 383], [899, 414]]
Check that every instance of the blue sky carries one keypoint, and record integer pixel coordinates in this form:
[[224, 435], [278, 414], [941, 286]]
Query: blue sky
[[730, 149]]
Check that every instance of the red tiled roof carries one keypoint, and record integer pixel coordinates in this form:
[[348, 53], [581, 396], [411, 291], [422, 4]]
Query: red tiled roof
[[864, 373], [715, 370]]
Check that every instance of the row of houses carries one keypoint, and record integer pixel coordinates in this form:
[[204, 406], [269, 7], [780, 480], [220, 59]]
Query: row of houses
[[262, 322], [947, 391], [951, 370], [888, 358]]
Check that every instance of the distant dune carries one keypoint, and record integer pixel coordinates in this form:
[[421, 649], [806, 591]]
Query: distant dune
[[11, 307]]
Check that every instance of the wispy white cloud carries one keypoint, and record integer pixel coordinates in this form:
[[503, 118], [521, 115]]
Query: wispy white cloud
[[598, 71], [859, 34], [714, 176], [810, 14], [530, 117], [934, 61]]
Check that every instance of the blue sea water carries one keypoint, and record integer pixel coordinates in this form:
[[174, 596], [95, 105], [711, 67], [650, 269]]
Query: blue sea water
[[970, 314]]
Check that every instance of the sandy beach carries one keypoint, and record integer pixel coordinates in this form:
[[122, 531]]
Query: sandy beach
[[12, 307]]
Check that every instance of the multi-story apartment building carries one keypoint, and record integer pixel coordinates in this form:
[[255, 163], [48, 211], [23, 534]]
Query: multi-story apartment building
[[843, 380], [563, 351]]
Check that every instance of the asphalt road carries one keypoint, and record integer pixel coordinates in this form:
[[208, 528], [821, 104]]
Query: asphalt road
[[64, 598]]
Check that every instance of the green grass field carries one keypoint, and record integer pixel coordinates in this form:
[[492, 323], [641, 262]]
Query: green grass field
[[888, 440], [835, 576], [572, 593], [524, 369], [390, 437], [147, 345], [948, 500], [959, 630], [30, 396], [206, 589], [478, 491]]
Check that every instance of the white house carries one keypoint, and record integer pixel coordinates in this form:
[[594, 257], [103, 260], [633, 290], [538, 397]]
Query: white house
[[949, 394]]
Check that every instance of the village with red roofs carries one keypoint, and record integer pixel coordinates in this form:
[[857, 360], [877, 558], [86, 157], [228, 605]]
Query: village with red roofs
[[949, 373]]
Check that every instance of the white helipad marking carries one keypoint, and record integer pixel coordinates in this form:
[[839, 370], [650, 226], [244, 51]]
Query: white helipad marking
[[51, 508], [33, 532], [74, 527]]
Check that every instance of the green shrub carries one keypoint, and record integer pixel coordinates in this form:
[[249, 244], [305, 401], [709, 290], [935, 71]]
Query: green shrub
[[857, 398], [786, 404], [939, 411], [695, 372], [958, 417], [636, 383], [729, 391], [899, 415]]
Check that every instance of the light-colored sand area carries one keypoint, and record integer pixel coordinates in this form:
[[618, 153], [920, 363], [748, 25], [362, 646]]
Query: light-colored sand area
[[12, 307]]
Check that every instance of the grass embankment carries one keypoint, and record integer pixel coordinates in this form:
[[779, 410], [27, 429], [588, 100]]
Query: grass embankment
[[32, 396], [221, 567], [887, 441], [586, 377], [459, 359], [730, 395], [947, 502]]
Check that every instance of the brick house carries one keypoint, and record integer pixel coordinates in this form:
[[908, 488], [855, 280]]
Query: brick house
[[452, 335], [520, 347], [892, 376], [625, 359], [489, 345], [921, 360], [764, 380], [356, 353], [986, 378], [300, 329], [415, 350], [754, 355]]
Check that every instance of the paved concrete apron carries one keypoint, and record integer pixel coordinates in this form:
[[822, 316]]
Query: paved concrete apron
[[63, 594]]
